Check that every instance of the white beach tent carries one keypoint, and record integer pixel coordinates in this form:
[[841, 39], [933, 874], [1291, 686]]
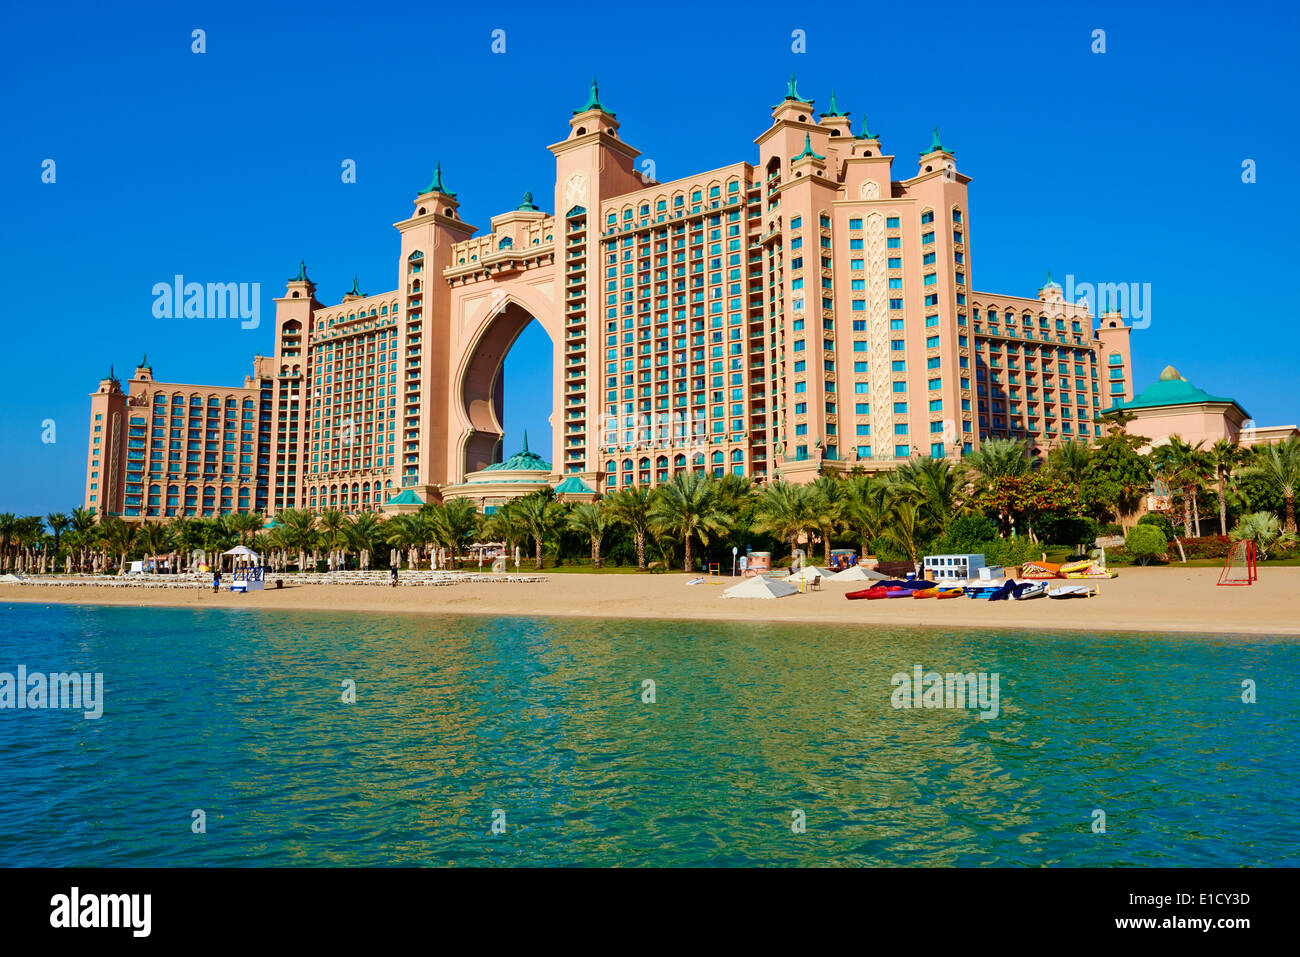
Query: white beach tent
[[243, 552], [760, 587], [856, 573], [808, 573]]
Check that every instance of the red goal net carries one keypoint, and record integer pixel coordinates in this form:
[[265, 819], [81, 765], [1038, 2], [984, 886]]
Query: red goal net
[[1240, 568]]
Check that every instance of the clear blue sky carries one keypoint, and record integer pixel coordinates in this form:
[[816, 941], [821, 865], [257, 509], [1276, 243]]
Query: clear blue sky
[[225, 166]]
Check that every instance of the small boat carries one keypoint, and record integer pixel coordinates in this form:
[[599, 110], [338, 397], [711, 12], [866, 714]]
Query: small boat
[[926, 593], [985, 592], [900, 592], [870, 594], [1004, 592], [955, 591], [1040, 569], [1087, 568], [1072, 591], [1027, 590]]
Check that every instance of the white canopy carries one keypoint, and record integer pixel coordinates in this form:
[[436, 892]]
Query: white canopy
[[760, 587], [808, 573], [856, 573], [243, 551]]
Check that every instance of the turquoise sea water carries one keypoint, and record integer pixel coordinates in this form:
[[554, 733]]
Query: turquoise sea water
[[238, 713]]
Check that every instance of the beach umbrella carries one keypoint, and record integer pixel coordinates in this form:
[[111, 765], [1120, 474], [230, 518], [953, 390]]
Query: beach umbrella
[[808, 573], [856, 573], [243, 552], [760, 587]]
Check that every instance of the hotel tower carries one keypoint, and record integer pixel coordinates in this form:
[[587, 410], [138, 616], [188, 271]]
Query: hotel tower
[[808, 313]]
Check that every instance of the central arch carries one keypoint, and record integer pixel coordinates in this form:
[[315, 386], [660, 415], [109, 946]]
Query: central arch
[[480, 386]]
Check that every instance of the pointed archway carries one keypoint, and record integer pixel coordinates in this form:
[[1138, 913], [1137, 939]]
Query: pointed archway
[[481, 386]]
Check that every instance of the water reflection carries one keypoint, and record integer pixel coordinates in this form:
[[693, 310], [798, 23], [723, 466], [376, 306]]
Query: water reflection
[[240, 714]]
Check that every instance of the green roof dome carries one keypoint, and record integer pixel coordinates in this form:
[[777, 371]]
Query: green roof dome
[[405, 497], [1172, 389], [573, 485], [521, 461]]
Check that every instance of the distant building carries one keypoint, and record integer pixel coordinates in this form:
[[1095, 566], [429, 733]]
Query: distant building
[[805, 313], [1173, 406]]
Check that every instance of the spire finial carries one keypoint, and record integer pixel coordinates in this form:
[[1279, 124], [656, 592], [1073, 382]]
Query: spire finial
[[866, 134], [528, 203], [936, 145], [356, 288], [525, 440], [834, 107], [302, 272], [436, 184], [807, 149], [593, 100], [144, 361]]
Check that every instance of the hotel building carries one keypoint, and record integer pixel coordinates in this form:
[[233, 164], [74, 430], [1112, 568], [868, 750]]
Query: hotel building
[[807, 313]]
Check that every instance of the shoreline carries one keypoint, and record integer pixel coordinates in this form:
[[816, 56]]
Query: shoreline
[[1150, 600]]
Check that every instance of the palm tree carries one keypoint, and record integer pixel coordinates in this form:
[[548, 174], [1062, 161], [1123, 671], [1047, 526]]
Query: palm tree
[[1223, 456], [404, 532], [688, 506], [59, 523], [506, 525], [120, 536], [932, 484], [8, 528], [590, 520], [785, 511], [1069, 461], [364, 534], [868, 508], [827, 499], [333, 525], [904, 526], [83, 527], [1262, 528], [1180, 464], [998, 457], [156, 538], [1280, 464], [299, 532], [631, 507], [247, 524], [456, 521], [542, 514]]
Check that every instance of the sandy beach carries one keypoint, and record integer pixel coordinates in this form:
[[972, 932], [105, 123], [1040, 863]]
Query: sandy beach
[[1141, 599]]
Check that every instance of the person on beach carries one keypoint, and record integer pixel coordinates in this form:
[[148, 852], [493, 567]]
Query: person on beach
[[216, 581], [394, 576]]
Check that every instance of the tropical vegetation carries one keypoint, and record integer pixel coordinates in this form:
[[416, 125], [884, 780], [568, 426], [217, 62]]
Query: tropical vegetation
[[1000, 500]]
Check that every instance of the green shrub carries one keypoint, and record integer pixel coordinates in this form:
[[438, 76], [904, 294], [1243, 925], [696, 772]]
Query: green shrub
[[1207, 546], [1262, 528], [966, 534], [1064, 529], [1159, 521], [1011, 551], [1110, 529], [1145, 542]]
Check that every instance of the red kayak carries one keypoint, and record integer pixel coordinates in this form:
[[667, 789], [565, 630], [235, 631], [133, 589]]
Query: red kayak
[[871, 594]]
